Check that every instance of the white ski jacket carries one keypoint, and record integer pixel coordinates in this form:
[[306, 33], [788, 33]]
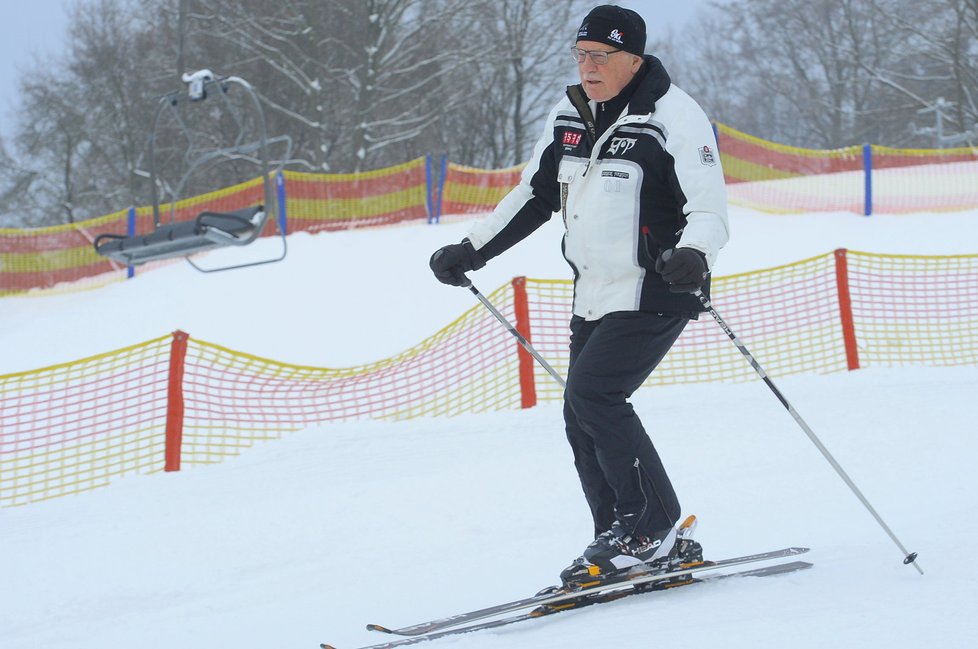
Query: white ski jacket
[[650, 182]]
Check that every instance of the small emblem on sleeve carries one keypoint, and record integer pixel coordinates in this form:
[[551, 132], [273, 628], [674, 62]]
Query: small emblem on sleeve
[[573, 138], [707, 156]]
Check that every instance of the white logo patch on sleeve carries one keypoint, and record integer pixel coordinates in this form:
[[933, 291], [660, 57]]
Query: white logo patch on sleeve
[[707, 156]]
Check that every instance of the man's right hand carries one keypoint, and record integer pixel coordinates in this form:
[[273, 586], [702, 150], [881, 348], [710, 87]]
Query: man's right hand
[[449, 264]]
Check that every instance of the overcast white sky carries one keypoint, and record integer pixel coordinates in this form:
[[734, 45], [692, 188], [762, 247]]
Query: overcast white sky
[[36, 28], [27, 29]]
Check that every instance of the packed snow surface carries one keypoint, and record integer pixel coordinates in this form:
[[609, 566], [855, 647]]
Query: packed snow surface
[[308, 538]]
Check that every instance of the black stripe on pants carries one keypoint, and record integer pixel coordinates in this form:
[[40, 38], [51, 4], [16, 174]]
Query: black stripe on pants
[[620, 470]]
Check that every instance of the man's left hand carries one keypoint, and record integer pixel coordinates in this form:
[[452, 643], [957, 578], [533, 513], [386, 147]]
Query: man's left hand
[[684, 269]]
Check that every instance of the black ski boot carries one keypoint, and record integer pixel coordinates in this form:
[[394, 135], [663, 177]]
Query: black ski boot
[[617, 552]]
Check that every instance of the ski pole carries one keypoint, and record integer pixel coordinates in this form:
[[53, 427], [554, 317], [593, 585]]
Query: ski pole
[[909, 557], [523, 341]]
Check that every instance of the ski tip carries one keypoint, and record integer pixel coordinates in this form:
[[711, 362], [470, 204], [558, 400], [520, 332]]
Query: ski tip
[[323, 645], [798, 550], [377, 627]]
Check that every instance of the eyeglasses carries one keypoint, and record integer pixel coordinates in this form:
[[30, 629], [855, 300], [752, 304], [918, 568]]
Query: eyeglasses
[[600, 57]]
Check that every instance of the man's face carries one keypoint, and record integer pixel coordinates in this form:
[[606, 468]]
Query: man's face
[[604, 82]]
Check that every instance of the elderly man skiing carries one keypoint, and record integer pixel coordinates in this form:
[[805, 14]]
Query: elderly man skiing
[[630, 162]]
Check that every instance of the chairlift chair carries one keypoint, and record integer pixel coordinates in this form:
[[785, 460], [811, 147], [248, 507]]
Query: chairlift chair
[[245, 141]]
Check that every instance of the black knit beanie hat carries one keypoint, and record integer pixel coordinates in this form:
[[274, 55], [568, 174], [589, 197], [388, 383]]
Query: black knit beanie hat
[[616, 26]]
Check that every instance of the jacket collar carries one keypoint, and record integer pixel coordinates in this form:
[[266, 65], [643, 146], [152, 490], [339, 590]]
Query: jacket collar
[[650, 88]]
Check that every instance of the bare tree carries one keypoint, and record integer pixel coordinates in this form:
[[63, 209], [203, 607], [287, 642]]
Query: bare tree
[[83, 120], [113, 61], [940, 45], [811, 54], [54, 138], [17, 207], [364, 75], [831, 73], [402, 60], [521, 73], [292, 53], [709, 68]]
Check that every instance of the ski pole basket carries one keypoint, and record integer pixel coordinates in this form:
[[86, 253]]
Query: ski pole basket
[[209, 136]]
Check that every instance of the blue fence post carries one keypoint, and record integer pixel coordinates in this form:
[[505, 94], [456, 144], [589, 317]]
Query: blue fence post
[[280, 193], [868, 172], [131, 232], [441, 185], [428, 197]]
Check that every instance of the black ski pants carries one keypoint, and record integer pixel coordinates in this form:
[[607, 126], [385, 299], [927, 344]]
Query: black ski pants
[[620, 470]]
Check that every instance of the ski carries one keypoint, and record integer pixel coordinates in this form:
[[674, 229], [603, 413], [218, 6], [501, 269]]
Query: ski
[[587, 600], [561, 595]]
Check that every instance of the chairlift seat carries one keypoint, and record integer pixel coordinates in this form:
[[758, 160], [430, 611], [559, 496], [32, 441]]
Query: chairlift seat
[[230, 130], [184, 238]]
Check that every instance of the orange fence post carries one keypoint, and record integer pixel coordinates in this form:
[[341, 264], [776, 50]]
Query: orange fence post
[[845, 308], [528, 389], [174, 402]]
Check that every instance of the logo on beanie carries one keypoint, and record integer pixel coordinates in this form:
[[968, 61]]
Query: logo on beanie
[[616, 26]]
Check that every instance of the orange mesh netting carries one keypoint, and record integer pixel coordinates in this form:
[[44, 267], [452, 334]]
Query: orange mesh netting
[[911, 309], [45, 257], [467, 190], [233, 399], [73, 427], [318, 202], [921, 180], [169, 402], [760, 174], [789, 315], [777, 178]]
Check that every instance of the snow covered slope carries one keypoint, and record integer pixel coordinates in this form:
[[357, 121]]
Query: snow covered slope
[[308, 538]]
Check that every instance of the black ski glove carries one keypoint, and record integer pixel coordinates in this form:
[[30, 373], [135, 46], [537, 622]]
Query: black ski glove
[[449, 264], [684, 269]]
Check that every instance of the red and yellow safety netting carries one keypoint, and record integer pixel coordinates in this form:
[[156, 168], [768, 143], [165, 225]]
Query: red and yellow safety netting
[[467, 190], [63, 256], [177, 401], [867, 179], [924, 180], [46, 257], [317, 202], [760, 174]]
